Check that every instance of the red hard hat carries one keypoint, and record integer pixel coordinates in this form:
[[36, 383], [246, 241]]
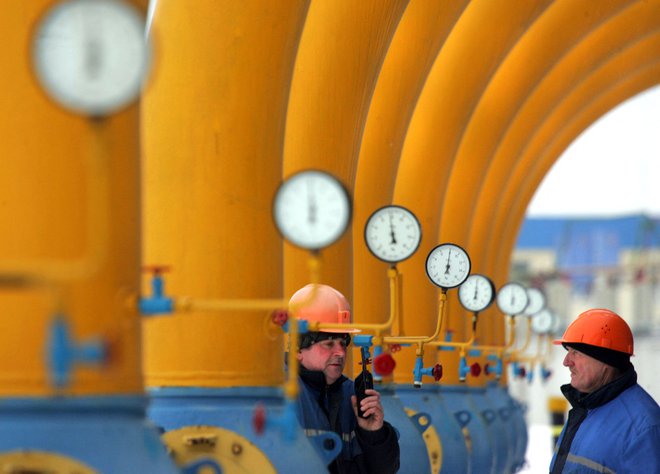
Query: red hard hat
[[601, 328], [324, 304]]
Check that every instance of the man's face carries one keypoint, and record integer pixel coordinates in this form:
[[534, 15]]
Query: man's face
[[587, 373], [328, 356]]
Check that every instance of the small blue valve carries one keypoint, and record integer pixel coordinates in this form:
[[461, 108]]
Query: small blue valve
[[157, 303], [498, 365], [463, 369], [63, 352], [419, 371]]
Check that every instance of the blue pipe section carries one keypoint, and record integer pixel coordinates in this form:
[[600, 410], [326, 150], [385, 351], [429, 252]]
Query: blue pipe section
[[503, 441], [234, 409], [414, 455], [515, 423], [108, 434], [427, 399], [481, 446]]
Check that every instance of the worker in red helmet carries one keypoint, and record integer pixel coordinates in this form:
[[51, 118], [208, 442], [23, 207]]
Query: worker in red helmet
[[614, 424], [327, 402]]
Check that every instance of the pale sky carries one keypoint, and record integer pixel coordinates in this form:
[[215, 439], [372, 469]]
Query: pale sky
[[612, 169]]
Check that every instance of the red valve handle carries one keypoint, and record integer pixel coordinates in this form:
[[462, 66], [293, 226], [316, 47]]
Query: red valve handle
[[437, 372], [384, 364], [280, 317], [522, 372], [259, 419], [156, 269], [475, 370]]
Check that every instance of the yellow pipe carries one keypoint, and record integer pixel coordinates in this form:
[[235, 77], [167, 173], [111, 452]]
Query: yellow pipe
[[38, 271]]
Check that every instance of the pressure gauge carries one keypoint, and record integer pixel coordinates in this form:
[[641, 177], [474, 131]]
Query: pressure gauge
[[392, 233], [91, 55], [447, 265], [512, 298], [536, 301], [476, 293], [312, 209], [543, 321]]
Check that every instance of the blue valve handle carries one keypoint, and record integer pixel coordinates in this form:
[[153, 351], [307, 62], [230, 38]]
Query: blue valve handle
[[157, 303], [63, 352], [463, 369]]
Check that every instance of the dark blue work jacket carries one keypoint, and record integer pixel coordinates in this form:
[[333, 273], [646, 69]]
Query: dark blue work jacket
[[327, 408], [615, 429]]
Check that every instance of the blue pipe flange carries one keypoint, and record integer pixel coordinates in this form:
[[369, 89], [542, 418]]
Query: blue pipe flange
[[328, 445], [463, 417], [197, 466]]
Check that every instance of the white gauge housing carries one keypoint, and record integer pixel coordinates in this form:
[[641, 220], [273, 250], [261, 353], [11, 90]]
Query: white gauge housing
[[543, 321], [536, 301], [447, 265], [392, 233], [91, 56], [476, 293], [312, 209], [512, 298]]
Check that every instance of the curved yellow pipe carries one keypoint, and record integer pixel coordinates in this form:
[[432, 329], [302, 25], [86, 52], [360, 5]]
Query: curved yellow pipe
[[544, 146], [452, 90], [341, 52], [213, 126], [47, 191], [418, 38]]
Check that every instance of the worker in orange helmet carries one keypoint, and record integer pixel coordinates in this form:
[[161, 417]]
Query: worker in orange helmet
[[614, 424], [327, 402]]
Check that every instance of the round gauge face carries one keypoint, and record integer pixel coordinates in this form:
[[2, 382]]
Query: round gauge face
[[91, 55], [476, 293], [312, 209], [512, 298], [536, 301], [447, 265], [543, 321], [392, 233]]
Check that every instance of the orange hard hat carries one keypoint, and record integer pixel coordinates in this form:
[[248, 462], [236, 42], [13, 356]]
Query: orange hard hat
[[600, 328], [324, 304]]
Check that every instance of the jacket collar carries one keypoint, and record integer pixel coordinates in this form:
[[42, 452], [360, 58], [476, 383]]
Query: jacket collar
[[603, 395], [316, 380]]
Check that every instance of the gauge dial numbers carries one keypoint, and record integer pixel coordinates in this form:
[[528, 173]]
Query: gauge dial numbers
[[476, 293], [543, 321], [91, 56], [392, 233], [447, 265], [512, 298], [536, 301], [312, 209]]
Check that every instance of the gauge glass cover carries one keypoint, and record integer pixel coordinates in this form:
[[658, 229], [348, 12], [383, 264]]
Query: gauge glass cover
[[447, 265], [91, 56], [312, 209], [512, 298], [536, 301], [543, 321], [392, 233], [476, 293]]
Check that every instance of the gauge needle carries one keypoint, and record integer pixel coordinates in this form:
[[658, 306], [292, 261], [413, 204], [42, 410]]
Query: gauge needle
[[448, 264], [475, 293], [392, 231], [311, 204]]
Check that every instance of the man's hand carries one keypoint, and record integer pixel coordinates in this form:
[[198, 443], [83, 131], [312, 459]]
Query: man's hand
[[373, 411]]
